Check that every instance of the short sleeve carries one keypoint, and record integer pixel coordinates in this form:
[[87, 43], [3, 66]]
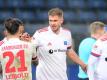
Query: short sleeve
[[34, 53], [69, 40], [1, 42], [35, 39]]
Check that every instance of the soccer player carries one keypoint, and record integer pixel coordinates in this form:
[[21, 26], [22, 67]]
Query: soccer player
[[16, 55], [85, 47], [53, 44], [97, 63]]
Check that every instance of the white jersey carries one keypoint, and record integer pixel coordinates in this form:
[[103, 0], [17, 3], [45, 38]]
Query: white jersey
[[4, 40], [52, 53], [15, 57], [97, 63]]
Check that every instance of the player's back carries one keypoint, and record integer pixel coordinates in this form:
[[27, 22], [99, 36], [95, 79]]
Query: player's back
[[15, 56]]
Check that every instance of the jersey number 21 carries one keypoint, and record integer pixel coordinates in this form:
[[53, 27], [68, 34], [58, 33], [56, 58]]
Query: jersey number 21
[[20, 56]]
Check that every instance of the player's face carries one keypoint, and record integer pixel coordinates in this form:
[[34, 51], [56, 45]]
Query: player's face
[[55, 22], [101, 32]]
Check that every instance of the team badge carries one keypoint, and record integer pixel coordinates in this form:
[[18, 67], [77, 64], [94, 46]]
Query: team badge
[[65, 42]]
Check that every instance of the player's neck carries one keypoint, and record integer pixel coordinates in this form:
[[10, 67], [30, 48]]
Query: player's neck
[[56, 31], [12, 36], [96, 36]]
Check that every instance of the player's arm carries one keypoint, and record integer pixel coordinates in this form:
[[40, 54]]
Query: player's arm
[[34, 56], [0, 68], [27, 37], [74, 57], [35, 61], [0, 60], [72, 54]]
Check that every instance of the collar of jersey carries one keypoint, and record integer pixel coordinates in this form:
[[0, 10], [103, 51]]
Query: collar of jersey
[[13, 39], [49, 28]]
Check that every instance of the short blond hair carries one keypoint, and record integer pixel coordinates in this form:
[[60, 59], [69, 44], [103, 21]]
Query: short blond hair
[[55, 12], [96, 26]]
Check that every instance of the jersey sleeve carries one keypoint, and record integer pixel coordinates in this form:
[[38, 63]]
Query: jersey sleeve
[[69, 41], [97, 49], [1, 43], [34, 53], [35, 39]]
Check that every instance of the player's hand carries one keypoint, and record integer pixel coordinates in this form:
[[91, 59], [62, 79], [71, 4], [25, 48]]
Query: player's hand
[[84, 67], [25, 37], [35, 61]]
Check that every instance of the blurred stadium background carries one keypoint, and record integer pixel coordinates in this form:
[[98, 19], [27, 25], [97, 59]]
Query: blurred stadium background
[[78, 14]]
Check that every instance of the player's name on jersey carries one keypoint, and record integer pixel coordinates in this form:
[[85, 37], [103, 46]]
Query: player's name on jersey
[[16, 76], [14, 47]]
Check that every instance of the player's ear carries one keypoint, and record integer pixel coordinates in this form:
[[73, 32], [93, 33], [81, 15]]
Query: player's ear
[[5, 32], [62, 20]]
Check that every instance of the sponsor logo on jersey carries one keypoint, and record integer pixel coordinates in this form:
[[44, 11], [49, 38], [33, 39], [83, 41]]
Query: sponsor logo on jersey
[[51, 51]]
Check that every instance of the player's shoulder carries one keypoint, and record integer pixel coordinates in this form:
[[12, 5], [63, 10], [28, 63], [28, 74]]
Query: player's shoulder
[[104, 37], [25, 42], [99, 43], [1, 42], [45, 29], [87, 42], [89, 39], [66, 31]]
